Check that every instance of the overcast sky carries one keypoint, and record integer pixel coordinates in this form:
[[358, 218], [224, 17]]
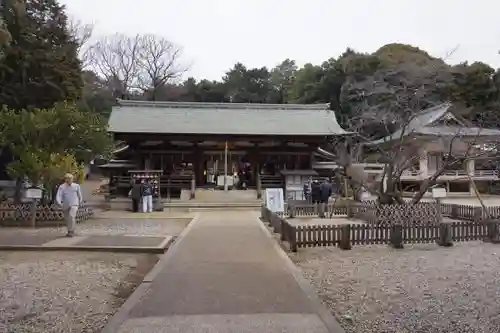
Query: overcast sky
[[215, 34]]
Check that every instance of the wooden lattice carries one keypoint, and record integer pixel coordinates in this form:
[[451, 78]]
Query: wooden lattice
[[22, 212]]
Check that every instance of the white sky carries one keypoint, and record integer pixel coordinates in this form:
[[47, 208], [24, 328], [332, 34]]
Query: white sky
[[215, 34]]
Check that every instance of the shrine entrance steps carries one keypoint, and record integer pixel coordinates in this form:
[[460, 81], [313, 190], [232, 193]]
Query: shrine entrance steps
[[211, 199], [212, 195]]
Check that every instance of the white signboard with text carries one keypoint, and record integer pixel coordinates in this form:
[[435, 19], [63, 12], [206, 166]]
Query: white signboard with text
[[274, 200], [438, 192], [33, 193]]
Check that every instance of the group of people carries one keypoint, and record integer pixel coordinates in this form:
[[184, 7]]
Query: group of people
[[319, 193], [141, 194]]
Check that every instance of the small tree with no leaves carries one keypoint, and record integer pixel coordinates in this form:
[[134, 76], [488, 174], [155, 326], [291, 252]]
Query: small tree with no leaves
[[399, 154]]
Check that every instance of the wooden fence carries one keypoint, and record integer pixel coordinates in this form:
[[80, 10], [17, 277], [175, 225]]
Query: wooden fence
[[470, 213], [310, 210], [344, 236], [409, 214], [19, 214], [372, 213]]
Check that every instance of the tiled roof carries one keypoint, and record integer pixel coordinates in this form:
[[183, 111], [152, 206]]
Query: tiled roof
[[424, 123], [223, 118]]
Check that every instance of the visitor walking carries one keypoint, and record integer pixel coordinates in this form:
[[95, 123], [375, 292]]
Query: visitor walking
[[147, 196], [69, 197]]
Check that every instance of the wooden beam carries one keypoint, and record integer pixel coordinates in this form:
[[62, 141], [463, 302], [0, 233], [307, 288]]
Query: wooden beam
[[130, 137]]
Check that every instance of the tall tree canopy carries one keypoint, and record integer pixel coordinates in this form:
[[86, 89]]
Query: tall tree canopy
[[40, 66], [389, 84]]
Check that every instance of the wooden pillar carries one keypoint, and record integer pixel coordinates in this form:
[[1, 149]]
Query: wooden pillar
[[253, 158], [198, 166], [313, 149]]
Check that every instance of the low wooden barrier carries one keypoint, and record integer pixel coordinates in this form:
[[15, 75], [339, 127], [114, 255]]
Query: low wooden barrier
[[469, 212], [346, 235], [20, 214]]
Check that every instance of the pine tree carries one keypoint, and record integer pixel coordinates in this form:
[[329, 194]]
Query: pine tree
[[40, 66]]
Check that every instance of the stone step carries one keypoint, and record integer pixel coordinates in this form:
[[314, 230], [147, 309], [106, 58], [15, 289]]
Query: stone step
[[206, 209], [209, 195], [201, 204]]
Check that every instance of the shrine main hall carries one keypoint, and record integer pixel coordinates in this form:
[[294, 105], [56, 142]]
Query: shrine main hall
[[206, 140]]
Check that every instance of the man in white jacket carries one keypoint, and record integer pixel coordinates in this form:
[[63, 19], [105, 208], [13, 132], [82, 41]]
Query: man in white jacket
[[69, 197]]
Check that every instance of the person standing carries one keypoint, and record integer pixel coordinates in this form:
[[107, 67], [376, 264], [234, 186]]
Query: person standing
[[147, 196], [135, 195], [315, 194], [325, 193], [69, 197]]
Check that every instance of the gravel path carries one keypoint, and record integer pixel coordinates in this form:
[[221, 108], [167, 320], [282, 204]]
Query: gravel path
[[421, 289], [49, 292]]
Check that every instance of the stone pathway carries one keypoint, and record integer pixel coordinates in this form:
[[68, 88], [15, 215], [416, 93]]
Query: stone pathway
[[139, 233], [20, 240], [224, 274]]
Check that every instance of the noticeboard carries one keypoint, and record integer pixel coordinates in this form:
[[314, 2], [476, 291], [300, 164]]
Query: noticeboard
[[33, 193], [274, 200], [439, 192]]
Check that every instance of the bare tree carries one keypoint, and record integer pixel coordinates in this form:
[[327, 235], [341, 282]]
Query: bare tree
[[158, 64], [146, 63], [82, 32], [116, 59], [400, 153], [393, 104]]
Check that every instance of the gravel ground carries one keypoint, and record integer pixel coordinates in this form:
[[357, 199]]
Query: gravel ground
[[422, 288], [51, 292], [142, 227]]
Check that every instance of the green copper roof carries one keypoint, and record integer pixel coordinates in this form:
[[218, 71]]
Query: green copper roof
[[426, 123], [223, 118]]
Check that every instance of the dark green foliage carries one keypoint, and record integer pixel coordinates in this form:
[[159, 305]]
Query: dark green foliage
[[40, 66]]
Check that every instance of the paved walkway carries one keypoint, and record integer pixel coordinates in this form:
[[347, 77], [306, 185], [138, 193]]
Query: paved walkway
[[225, 274]]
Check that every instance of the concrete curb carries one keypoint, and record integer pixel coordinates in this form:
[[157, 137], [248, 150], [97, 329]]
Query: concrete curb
[[323, 313], [113, 325], [123, 249], [142, 218]]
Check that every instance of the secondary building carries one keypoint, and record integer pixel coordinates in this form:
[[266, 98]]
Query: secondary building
[[427, 140]]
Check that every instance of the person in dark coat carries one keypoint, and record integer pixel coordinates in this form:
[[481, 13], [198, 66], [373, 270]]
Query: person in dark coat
[[306, 190], [315, 192], [325, 193], [135, 195]]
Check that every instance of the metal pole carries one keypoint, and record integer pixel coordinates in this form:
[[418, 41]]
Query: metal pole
[[225, 168]]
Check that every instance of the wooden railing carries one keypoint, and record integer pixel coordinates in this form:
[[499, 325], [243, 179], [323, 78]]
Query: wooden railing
[[177, 182], [454, 173]]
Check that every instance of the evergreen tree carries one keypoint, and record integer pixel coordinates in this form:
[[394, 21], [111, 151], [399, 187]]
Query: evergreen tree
[[40, 66]]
